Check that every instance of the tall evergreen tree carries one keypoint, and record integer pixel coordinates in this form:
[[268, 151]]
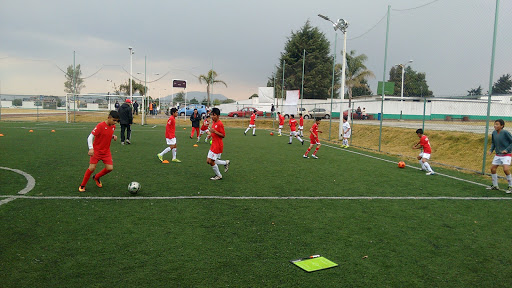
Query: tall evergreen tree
[[74, 78], [317, 67], [503, 85], [476, 91]]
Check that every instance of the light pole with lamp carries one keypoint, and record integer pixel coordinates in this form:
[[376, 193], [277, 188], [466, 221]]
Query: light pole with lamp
[[402, 89], [341, 25], [145, 91], [131, 66]]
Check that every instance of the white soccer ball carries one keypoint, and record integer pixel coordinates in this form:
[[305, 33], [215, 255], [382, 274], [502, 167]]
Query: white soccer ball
[[134, 187]]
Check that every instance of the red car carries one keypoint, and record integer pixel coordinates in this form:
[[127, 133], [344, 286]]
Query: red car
[[245, 112]]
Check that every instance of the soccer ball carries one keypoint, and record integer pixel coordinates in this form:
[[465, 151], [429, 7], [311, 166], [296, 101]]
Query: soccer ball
[[271, 133], [134, 187], [401, 164]]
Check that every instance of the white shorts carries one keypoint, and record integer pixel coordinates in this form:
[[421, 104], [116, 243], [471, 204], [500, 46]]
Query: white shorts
[[213, 156], [346, 135], [171, 141], [501, 160], [293, 133], [280, 126], [301, 127], [201, 132], [252, 125], [425, 155]]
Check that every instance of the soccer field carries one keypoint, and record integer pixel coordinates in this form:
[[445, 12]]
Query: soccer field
[[382, 225]]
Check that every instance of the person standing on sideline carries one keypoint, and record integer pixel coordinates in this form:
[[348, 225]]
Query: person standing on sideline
[[204, 129], [116, 105], [346, 132], [293, 130], [313, 138], [502, 145], [126, 116], [196, 119], [301, 125], [170, 137], [252, 124], [215, 152], [99, 149], [281, 122], [272, 110], [135, 107], [427, 150], [150, 108]]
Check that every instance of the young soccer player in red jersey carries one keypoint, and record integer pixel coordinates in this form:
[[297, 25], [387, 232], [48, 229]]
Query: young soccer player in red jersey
[[293, 130], [218, 133], [301, 125], [99, 149], [204, 129], [252, 124], [281, 122], [170, 137], [313, 137], [425, 155]]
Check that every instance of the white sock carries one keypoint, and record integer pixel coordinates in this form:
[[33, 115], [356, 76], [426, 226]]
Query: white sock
[[165, 151], [216, 170], [509, 179], [494, 179], [246, 130], [279, 131], [220, 162], [173, 153], [427, 166], [253, 131], [290, 138], [422, 166], [298, 137]]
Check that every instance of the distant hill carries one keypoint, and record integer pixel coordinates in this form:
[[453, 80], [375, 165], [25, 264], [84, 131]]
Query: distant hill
[[200, 96]]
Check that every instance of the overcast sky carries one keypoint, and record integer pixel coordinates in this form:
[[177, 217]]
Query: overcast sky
[[449, 40]]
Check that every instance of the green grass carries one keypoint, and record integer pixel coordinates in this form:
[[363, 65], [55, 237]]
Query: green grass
[[205, 242]]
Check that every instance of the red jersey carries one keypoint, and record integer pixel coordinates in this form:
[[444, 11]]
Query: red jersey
[[281, 119], [301, 121], [102, 138], [314, 131], [293, 123], [253, 118], [170, 129], [205, 125], [217, 145], [425, 144]]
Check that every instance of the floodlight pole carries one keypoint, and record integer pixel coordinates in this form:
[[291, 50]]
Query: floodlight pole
[[342, 92], [402, 88], [131, 67]]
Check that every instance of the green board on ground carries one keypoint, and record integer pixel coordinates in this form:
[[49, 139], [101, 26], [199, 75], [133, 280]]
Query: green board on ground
[[314, 264]]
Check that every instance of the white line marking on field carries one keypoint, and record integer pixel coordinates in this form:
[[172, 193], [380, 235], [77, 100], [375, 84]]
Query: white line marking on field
[[31, 182], [6, 200], [255, 198]]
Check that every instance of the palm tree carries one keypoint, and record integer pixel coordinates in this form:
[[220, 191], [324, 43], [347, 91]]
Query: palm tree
[[210, 80], [356, 72]]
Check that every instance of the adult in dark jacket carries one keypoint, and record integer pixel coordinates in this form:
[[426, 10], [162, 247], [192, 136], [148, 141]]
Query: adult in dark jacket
[[135, 108], [195, 118], [126, 119]]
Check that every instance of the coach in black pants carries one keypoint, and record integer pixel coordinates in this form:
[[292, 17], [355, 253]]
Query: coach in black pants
[[126, 119]]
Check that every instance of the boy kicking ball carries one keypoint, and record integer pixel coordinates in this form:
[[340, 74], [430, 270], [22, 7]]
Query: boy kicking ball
[[502, 145], [425, 155], [99, 149]]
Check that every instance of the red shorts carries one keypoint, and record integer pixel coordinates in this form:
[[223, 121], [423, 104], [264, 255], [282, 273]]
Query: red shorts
[[106, 158], [314, 140]]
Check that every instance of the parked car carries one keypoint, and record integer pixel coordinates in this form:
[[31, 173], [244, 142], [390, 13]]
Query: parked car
[[245, 112], [317, 112], [189, 110]]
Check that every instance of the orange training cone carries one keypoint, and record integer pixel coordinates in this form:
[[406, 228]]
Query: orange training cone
[[1, 135], [30, 130], [53, 130], [165, 161], [195, 145]]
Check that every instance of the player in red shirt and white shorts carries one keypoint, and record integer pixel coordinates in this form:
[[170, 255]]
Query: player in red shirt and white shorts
[[301, 125], [293, 130], [425, 155], [215, 152], [313, 138], [170, 137], [99, 149], [281, 122], [252, 124], [204, 129]]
